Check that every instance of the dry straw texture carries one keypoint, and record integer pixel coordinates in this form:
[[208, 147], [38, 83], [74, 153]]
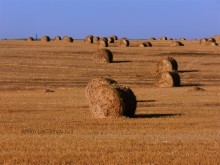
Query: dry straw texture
[[103, 56], [111, 40], [96, 39], [104, 39], [217, 38], [176, 43], [167, 79], [30, 39], [124, 42], [144, 44], [152, 38], [45, 39], [102, 44], [67, 39], [167, 64], [115, 37], [208, 42], [163, 38], [108, 99], [89, 39], [57, 38]]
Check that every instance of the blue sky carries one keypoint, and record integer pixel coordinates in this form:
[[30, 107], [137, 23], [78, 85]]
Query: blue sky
[[134, 19]]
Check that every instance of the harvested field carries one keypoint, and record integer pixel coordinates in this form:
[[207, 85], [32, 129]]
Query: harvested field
[[45, 118]]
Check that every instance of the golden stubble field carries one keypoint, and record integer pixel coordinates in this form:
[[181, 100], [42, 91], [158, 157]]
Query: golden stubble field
[[45, 118]]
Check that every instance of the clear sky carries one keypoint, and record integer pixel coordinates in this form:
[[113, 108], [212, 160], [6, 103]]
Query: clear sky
[[134, 19]]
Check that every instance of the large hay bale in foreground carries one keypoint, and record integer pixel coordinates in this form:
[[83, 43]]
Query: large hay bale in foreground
[[45, 39], [176, 43], [103, 56], [111, 100], [167, 64], [124, 43], [89, 39], [102, 44], [57, 38], [167, 79], [111, 40], [67, 39], [30, 39]]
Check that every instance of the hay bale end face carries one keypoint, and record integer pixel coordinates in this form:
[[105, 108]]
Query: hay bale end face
[[124, 43], [115, 37], [102, 44], [67, 39], [30, 39], [108, 99], [177, 43], [111, 40], [57, 38], [167, 64], [45, 39], [103, 56], [89, 39], [167, 79]]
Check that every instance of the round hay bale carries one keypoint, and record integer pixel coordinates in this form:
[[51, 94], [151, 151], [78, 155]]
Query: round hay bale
[[67, 39], [115, 37], [104, 39], [30, 39], [108, 99], [167, 64], [88, 39], [148, 44], [182, 39], [96, 39], [57, 38], [45, 39], [211, 43], [177, 43], [211, 39], [103, 44], [167, 79], [141, 45], [124, 43], [96, 83], [110, 40], [163, 38], [103, 56], [152, 38], [203, 41]]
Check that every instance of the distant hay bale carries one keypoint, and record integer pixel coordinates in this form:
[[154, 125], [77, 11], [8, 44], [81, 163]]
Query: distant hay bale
[[110, 100], [30, 39], [57, 38], [110, 40], [167, 79], [124, 43], [67, 39], [144, 44], [163, 38], [115, 37], [104, 39], [103, 56], [170, 39], [89, 39], [203, 41], [102, 44], [211, 39], [182, 39], [167, 64], [176, 43], [152, 38], [208, 42], [45, 39], [96, 39]]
